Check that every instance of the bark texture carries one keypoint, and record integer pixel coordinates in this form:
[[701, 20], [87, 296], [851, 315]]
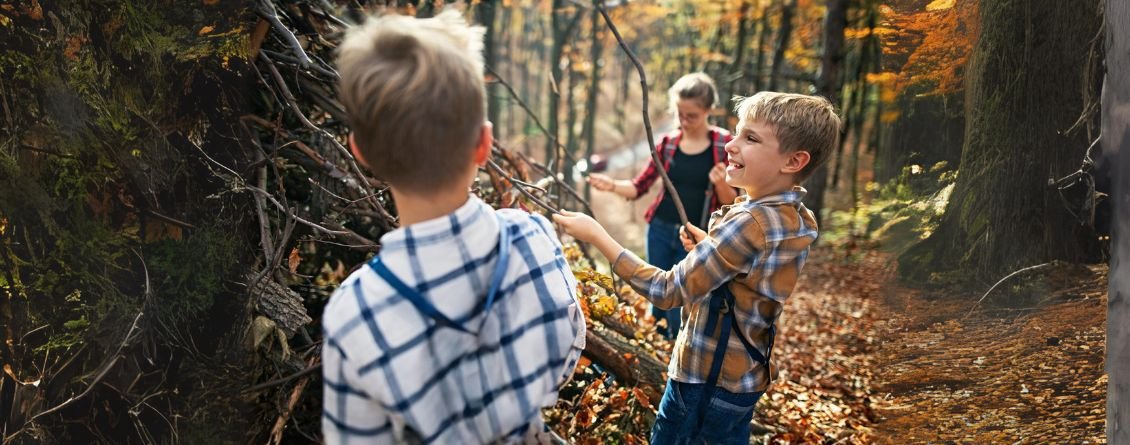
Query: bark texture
[[1030, 85]]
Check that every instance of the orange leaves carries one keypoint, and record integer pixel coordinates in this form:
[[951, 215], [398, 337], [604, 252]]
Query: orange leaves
[[932, 44], [642, 398], [293, 260]]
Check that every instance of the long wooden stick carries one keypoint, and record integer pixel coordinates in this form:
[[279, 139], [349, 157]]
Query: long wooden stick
[[599, 4]]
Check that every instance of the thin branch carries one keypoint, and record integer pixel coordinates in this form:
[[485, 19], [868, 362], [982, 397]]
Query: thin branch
[[530, 112], [268, 12], [522, 188], [98, 378], [289, 212], [292, 103], [1002, 280], [646, 120], [281, 380]]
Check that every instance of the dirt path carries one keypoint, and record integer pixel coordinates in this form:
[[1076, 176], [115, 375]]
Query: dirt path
[[1030, 373]]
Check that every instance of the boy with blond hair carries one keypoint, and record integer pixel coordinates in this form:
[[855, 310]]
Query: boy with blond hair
[[466, 324], [735, 278]]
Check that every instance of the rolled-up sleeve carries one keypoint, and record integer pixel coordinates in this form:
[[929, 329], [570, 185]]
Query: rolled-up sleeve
[[731, 248]]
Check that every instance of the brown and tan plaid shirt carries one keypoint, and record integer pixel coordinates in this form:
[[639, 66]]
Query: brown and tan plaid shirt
[[757, 247]]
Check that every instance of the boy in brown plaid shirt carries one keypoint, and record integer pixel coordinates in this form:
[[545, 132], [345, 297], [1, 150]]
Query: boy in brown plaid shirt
[[735, 280]]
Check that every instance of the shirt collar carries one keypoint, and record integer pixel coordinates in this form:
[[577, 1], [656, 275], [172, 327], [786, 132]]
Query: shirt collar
[[437, 229], [792, 197]]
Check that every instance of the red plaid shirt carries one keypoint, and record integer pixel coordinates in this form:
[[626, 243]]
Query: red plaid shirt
[[647, 177]]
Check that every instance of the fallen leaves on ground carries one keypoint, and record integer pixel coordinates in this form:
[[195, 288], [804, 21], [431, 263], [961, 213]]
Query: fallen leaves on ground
[[1027, 373]]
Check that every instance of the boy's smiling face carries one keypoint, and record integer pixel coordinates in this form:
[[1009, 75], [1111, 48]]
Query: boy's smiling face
[[756, 163]]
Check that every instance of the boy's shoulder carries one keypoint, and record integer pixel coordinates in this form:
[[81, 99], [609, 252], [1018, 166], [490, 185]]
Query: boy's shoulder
[[775, 220], [526, 224]]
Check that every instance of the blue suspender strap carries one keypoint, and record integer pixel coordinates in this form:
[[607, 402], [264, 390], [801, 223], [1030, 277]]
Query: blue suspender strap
[[717, 306], [424, 306], [722, 306]]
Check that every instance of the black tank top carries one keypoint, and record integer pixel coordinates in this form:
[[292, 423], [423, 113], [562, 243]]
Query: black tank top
[[689, 173]]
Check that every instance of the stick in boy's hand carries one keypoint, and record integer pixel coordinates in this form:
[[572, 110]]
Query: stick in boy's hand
[[690, 235]]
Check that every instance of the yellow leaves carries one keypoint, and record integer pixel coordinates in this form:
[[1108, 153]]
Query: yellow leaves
[[603, 306], [940, 5]]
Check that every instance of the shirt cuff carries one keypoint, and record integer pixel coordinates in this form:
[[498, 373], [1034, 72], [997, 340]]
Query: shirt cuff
[[627, 264]]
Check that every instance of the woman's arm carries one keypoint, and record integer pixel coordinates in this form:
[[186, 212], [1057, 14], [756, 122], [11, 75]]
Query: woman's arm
[[622, 187]]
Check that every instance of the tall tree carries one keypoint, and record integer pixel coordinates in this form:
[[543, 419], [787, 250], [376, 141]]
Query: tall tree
[[835, 21], [564, 20], [596, 48], [762, 39], [485, 12], [784, 34], [1116, 155], [1026, 89]]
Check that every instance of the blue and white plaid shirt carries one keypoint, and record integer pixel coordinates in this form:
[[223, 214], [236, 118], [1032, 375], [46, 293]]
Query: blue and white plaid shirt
[[391, 375]]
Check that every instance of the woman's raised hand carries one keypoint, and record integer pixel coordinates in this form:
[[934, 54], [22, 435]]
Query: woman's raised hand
[[602, 182], [718, 174]]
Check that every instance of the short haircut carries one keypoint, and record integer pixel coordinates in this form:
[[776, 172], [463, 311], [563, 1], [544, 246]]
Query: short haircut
[[413, 93], [801, 122], [694, 86]]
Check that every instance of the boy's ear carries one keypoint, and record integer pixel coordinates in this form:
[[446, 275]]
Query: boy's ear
[[486, 141], [796, 162], [356, 152]]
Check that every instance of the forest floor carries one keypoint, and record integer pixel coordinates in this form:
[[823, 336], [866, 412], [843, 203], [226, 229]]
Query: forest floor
[[864, 359], [1028, 372]]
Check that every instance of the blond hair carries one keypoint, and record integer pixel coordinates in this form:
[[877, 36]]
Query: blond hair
[[802, 123], [694, 86], [413, 93]]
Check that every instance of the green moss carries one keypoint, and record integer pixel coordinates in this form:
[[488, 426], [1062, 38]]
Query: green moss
[[188, 273]]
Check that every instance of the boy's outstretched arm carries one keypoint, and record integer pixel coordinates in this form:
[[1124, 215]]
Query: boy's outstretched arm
[[585, 229], [728, 250]]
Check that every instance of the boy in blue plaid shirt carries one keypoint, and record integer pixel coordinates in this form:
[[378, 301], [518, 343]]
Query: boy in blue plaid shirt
[[735, 278], [466, 324]]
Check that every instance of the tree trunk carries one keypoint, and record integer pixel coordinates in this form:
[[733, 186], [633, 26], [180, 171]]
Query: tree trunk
[[835, 21], [784, 34], [1026, 87], [485, 12], [762, 39], [589, 130], [739, 59], [1116, 158], [562, 28]]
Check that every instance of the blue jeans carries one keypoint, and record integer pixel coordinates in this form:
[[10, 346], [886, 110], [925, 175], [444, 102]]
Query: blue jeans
[[725, 421], [664, 251]]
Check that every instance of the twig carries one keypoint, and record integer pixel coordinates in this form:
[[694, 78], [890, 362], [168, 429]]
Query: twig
[[268, 12], [46, 151], [98, 378], [295, 396], [289, 212], [1002, 280], [522, 188], [292, 103], [168, 219], [364, 243], [530, 113], [646, 120], [281, 380]]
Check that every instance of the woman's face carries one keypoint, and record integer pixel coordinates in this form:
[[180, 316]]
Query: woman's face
[[691, 113]]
